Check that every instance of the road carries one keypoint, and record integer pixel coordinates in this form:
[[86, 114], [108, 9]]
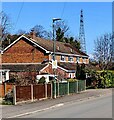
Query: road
[[81, 105], [100, 107]]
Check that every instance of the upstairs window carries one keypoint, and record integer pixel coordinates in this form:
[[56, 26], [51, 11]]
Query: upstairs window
[[77, 59], [53, 57], [84, 60], [62, 58], [70, 58]]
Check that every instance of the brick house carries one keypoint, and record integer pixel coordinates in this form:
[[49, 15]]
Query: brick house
[[32, 51]]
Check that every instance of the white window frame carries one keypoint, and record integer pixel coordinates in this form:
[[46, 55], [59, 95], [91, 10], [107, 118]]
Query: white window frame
[[63, 58], [70, 57], [78, 60], [84, 60]]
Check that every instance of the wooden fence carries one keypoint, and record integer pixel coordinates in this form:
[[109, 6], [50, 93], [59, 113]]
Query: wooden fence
[[5, 88], [44, 91], [32, 92]]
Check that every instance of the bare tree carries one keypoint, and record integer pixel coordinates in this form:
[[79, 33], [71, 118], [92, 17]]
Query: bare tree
[[61, 25], [41, 32], [104, 50], [4, 25], [20, 32]]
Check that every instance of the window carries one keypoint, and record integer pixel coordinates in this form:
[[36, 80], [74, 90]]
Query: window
[[84, 60], [53, 57], [70, 58], [62, 58], [77, 59]]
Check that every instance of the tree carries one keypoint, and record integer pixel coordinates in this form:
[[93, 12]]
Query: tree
[[80, 71], [61, 29], [104, 51], [62, 25], [59, 35], [41, 32], [4, 25], [73, 42], [9, 39], [20, 32]]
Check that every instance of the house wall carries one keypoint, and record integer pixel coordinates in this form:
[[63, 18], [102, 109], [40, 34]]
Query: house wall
[[81, 60], [23, 52], [61, 73]]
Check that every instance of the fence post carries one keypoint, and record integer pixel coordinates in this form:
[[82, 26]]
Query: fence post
[[85, 84], [58, 89], [14, 95], [31, 93], [51, 91], [68, 87], [77, 86], [5, 88], [45, 90]]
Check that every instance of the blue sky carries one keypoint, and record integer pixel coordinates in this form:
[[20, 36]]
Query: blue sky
[[97, 17]]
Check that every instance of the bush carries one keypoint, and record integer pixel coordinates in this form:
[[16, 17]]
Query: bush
[[7, 103], [107, 79], [9, 97], [42, 80], [100, 79], [71, 80]]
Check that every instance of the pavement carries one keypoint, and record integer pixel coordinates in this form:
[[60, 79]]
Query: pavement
[[19, 109], [0, 100]]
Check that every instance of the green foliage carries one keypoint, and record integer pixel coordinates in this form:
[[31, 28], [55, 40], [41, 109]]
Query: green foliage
[[100, 79], [42, 80], [61, 38], [71, 80], [59, 35], [73, 42], [7, 103], [107, 79], [77, 71], [80, 72]]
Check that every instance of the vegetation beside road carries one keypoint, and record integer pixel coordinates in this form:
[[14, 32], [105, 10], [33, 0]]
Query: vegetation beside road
[[100, 79]]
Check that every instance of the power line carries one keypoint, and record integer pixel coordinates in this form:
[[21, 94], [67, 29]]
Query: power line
[[63, 9], [19, 14]]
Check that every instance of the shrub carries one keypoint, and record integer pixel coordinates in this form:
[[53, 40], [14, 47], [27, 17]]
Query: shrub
[[71, 80], [42, 80], [100, 79]]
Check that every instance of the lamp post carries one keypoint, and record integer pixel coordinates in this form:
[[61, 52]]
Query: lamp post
[[54, 48]]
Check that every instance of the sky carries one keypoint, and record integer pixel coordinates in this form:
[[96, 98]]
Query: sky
[[97, 17]]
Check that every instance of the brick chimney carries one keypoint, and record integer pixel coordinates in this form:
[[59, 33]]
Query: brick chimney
[[33, 34]]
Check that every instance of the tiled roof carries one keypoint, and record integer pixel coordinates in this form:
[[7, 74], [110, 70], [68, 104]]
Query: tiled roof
[[72, 66], [67, 66], [24, 68], [47, 45], [60, 46]]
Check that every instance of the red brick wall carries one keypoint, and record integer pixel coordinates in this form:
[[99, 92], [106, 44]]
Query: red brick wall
[[23, 52], [59, 72], [47, 70]]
